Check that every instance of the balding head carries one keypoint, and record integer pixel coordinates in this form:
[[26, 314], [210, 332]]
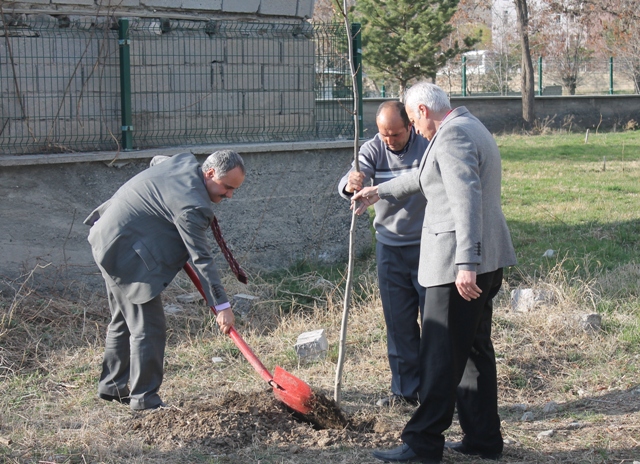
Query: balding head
[[393, 125], [390, 110]]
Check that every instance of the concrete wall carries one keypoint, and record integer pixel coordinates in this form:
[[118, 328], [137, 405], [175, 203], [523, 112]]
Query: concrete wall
[[288, 208], [504, 114], [265, 8]]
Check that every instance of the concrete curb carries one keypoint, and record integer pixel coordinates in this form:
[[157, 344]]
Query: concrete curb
[[120, 156]]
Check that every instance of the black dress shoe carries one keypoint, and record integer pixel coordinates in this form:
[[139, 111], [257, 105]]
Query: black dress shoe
[[461, 448], [402, 454], [119, 399]]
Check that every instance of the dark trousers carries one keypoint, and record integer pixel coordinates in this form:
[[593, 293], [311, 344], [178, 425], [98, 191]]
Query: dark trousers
[[402, 302], [134, 349], [458, 368]]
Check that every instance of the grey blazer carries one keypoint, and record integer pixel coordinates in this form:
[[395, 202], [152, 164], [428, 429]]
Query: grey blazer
[[460, 176], [143, 235]]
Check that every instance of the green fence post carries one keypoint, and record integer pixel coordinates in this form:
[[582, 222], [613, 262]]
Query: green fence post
[[610, 75], [357, 58], [125, 84], [539, 75], [383, 92], [464, 76]]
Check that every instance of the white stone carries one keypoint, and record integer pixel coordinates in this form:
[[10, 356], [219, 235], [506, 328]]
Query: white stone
[[546, 434], [548, 254], [312, 345], [172, 309], [527, 299], [217, 360]]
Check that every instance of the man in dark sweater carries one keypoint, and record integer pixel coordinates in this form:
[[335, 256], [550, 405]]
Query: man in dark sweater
[[394, 151]]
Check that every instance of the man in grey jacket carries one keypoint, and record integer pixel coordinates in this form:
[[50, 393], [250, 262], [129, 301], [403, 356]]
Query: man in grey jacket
[[465, 246], [140, 239], [395, 150]]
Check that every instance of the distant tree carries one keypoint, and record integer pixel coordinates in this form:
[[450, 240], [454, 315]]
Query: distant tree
[[621, 31], [503, 55], [527, 82], [403, 39], [561, 34], [329, 10]]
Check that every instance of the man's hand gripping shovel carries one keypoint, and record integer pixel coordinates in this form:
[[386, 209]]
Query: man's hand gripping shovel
[[286, 387]]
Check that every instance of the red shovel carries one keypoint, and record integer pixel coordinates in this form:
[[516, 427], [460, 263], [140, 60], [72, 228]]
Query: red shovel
[[286, 387]]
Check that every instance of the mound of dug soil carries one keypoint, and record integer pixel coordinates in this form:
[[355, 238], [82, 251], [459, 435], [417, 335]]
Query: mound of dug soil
[[237, 421]]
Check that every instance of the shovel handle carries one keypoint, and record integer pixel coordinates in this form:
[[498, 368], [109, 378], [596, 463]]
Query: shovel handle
[[233, 333]]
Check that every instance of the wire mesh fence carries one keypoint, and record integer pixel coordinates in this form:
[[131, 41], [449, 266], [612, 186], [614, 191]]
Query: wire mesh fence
[[486, 74], [59, 86], [97, 84], [483, 74]]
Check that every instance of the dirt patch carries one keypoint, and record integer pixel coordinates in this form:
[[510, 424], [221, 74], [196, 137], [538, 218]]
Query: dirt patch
[[237, 421], [324, 414]]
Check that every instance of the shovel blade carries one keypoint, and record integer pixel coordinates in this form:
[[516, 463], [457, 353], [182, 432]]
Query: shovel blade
[[292, 391]]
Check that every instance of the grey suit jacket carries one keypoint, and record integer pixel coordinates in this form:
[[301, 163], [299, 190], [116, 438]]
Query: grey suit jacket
[[460, 176], [143, 235]]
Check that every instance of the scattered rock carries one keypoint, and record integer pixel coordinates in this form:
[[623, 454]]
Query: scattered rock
[[527, 299], [172, 309], [550, 407], [546, 434], [312, 346], [217, 360], [548, 254], [591, 322], [575, 426], [527, 417], [520, 407], [189, 297]]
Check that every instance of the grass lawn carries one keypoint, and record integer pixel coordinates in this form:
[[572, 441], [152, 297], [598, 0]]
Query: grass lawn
[[581, 200]]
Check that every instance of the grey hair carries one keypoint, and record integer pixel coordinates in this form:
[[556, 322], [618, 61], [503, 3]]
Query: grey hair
[[223, 161], [427, 94]]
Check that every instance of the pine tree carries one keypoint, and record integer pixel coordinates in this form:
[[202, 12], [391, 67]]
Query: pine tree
[[403, 39]]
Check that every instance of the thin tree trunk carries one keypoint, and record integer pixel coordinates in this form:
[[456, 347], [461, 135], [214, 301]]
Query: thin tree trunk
[[527, 84], [349, 282]]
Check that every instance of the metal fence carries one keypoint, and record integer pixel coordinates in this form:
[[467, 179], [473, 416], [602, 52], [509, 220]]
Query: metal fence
[[99, 84], [483, 74]]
